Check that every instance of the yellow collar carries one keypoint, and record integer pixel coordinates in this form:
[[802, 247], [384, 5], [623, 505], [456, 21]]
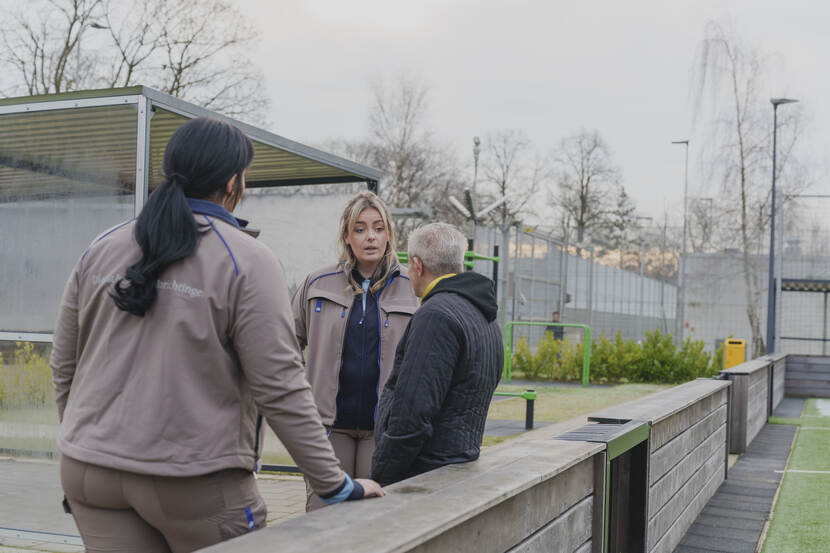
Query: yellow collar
[[433, 283]]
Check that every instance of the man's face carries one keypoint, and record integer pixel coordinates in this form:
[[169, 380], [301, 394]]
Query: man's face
[[556, 317]]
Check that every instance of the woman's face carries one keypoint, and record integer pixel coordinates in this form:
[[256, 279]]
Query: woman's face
[[368, 239]]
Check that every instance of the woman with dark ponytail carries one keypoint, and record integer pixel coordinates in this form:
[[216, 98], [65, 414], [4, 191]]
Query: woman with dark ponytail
[[175, 330]]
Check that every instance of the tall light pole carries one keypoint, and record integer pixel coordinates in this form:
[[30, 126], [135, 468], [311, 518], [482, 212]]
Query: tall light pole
[[771, 283], [476, 151], [681, 307], [641, 319]]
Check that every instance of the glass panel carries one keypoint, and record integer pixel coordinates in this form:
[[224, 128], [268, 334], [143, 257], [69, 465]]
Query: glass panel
[[28, 416], [65, 177]]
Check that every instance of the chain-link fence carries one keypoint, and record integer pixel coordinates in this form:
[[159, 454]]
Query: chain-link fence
[[539, 275], [720, 293]]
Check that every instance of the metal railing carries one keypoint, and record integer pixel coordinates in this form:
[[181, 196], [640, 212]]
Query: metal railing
[[530, 397]]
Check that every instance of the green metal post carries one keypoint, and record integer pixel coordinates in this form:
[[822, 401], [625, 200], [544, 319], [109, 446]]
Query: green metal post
[[507, 372], [586, 356]]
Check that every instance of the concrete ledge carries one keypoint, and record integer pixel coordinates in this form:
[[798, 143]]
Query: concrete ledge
[[749, 367], [808, 376], [660, 406], [687, 444], [752, 399], [456, 508]]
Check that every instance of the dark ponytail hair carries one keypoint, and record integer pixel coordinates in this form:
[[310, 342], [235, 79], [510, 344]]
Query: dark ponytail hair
[[200, 159]]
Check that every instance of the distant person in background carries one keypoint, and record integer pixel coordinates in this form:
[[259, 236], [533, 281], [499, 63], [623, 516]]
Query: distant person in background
[[447, 366], [174, 331], [351, 315], [558, 331]]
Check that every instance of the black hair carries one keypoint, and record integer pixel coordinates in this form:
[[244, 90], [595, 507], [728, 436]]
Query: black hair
[[200, 159]]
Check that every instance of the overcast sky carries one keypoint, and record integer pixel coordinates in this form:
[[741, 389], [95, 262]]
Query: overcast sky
[[548, 67]]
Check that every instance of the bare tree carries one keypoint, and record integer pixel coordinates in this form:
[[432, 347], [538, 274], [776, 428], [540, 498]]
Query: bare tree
[[701, 223], [513, 170], [615, 233], [728, 85], [191, 49], [586, 179], [136, 35], [417, 171], [42, 47]]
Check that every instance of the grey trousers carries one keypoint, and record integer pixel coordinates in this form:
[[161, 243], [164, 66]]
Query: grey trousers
[[353, 448], [126, 512]]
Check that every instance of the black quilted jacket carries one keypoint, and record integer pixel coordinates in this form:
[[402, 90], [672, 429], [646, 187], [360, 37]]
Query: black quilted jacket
[[447, 365]]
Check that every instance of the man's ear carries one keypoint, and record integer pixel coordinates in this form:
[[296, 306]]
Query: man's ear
[[415, 263]]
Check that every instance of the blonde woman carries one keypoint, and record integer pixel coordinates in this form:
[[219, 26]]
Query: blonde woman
[[350, 316]]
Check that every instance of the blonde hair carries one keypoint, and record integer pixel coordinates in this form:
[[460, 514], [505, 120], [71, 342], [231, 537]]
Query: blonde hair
[[355, 206]]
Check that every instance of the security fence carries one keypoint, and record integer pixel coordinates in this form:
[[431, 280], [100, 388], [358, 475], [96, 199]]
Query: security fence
[[539, 275]]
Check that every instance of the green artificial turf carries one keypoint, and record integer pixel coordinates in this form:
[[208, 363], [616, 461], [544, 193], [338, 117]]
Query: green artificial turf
[[801, 520]]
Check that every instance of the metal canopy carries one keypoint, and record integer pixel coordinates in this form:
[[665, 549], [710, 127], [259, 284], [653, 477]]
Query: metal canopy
[[75, 143]]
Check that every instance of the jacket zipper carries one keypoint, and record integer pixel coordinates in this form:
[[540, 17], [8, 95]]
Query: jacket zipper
[[380, 346], [366, 283]]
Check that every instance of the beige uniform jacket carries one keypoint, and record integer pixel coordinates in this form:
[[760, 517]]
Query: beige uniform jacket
[[176, 393], [321, 311]]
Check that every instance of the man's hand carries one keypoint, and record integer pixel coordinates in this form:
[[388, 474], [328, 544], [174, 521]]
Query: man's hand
[[370, 488]]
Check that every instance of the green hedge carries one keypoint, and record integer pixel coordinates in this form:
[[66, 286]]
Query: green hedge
[[656, 359]]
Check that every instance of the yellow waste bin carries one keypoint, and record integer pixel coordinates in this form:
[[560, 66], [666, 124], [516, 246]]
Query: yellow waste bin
[[734, 353]]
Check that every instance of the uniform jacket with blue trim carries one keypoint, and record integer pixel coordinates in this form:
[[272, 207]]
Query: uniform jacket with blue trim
[[176, 393], [322, 305]]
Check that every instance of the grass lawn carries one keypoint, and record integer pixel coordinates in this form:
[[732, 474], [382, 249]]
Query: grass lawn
[[553, 404], [800, 520], [560, 403]]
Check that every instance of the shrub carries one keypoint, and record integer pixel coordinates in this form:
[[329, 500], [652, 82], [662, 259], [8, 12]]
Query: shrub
[[656, 359], [524, 361], [26, 381]]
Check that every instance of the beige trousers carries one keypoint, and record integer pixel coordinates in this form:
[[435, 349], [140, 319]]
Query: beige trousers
[[126, 512], [353, 448]]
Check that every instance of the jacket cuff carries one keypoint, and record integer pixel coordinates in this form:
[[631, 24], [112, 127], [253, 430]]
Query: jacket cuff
[[340, 494], [357, 493]]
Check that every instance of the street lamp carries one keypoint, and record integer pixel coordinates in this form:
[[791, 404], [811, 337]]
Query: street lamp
[[681, 308], [771, 283], [641, 319], [476, 151]]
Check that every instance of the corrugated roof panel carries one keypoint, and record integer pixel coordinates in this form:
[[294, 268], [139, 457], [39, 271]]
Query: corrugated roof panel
[[67, 152], [271, 165]]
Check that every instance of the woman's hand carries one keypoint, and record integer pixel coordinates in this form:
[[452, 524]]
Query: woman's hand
[[370, 488]]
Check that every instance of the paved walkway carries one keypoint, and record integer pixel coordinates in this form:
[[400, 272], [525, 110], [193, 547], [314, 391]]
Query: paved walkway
[[734, 518], [31, 517]]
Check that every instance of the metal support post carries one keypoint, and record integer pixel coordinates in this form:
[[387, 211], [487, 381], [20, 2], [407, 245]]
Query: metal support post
[[496, 270], [529, 410], [142, 153], [640, 320]]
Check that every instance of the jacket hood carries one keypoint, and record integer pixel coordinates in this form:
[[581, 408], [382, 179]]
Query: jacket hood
[[476, 288]]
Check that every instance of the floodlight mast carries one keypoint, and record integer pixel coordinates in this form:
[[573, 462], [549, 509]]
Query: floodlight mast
[[491, 207], [460, 207]]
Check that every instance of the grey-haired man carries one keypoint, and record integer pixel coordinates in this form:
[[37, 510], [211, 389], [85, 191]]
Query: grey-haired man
[[447, 365]]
